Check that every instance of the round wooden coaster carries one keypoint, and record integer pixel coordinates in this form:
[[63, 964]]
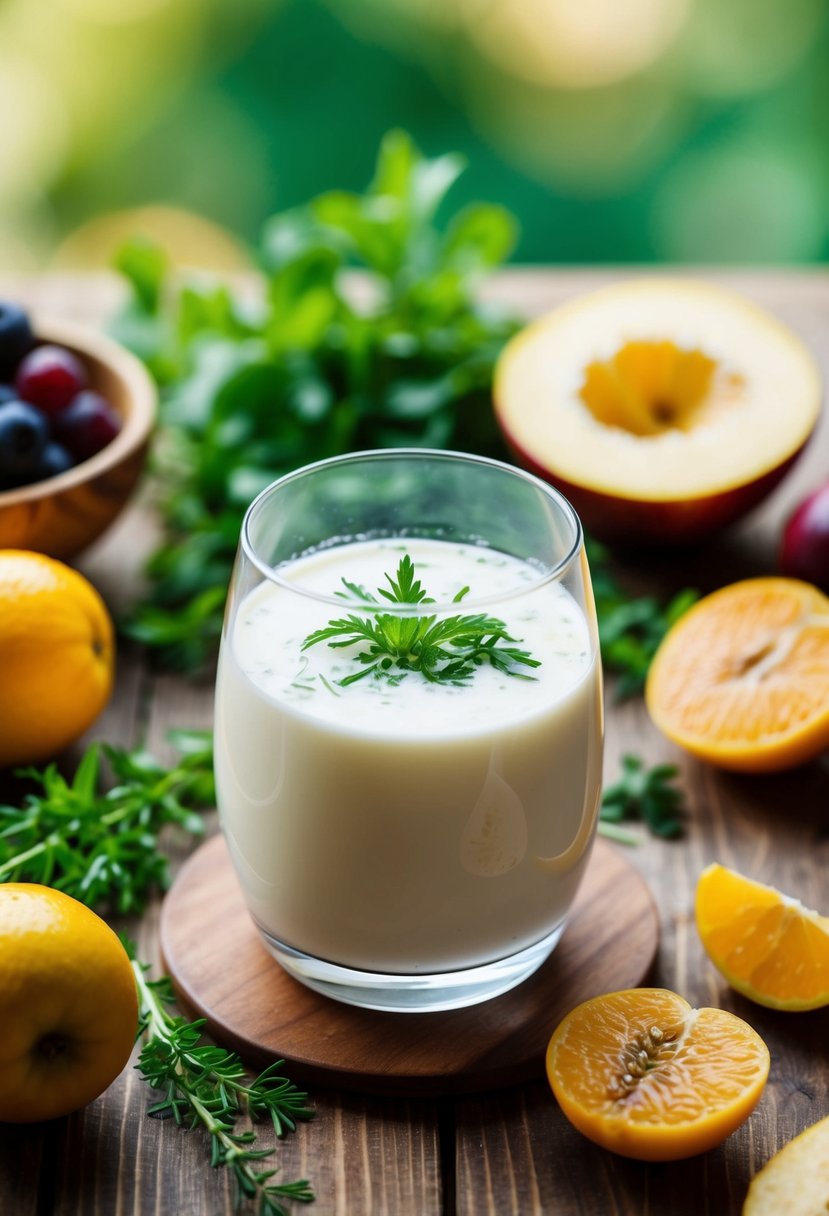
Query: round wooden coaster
[[222, 972]]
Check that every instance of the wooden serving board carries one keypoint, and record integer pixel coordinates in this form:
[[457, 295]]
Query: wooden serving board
[[222, 972]]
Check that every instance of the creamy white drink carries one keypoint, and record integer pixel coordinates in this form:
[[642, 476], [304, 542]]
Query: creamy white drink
[[407, 827]]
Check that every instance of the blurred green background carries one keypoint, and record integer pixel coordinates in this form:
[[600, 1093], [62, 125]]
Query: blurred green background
[[616, 130]]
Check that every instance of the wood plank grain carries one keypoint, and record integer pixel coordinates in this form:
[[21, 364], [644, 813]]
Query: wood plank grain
[[25, 1160], [536, 1163], [361, 1155], [371, 1156]]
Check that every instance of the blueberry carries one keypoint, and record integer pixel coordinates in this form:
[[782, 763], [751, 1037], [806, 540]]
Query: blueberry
[[7, 393], [16, 337], [24, 433], [54, 459]]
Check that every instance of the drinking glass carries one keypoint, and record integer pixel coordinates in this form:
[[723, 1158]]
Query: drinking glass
[[409, 835]]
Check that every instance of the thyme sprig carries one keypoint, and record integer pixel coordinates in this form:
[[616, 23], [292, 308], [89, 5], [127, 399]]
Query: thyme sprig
[[645, 794], [102, 848], [444, 651], [206, 1086]]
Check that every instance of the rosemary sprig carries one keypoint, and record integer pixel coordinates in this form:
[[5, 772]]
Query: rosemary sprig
[[206, 1086], [444, 651], [644, 794], [103, 848]]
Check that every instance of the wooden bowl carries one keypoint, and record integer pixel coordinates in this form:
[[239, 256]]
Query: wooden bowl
[[63, 514]]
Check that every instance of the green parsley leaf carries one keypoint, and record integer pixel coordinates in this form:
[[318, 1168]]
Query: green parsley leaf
[[447, 651], [643, 794], [102, 848]]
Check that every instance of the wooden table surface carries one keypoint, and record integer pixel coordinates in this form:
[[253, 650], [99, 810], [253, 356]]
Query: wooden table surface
[[510, 1151]]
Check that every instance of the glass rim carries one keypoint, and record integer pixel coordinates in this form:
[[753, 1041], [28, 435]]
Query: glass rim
[[553, 574]]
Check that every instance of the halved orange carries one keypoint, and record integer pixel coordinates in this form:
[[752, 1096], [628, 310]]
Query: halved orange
[[795, 1181], [766, 944], [742, 679], [643, 1074]]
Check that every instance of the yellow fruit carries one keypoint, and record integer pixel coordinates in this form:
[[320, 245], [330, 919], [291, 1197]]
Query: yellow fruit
[[56, 656], [795, 1181], [68, 1004], [766, 944], [663, 409], [643, 1074], [742, 679]]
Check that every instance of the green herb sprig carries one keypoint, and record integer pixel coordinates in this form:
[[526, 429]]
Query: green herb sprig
[[206, 1086], [447, 651], [644, 794], [102, 848], [317, 363], [630, 627]]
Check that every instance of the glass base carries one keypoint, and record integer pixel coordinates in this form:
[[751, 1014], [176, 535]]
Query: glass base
[[412, 993]]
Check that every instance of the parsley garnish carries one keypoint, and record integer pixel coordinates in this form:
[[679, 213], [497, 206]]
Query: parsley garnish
[[102, 848], [644, 794], [444, 651]]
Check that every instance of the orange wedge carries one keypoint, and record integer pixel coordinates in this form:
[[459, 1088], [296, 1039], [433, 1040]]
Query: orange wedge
[[795, 1181], [643, 1074], [766, 944], [742, 679]]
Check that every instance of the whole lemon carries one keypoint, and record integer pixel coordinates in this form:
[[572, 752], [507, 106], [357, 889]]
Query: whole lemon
[[56, 656], [68, 1004]]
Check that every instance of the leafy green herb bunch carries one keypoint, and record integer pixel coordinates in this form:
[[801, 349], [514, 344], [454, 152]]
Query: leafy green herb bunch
[[320, 361]]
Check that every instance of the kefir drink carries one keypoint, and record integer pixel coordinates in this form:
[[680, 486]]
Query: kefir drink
[[393, 826]]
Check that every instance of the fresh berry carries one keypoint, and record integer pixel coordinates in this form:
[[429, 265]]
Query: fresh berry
[[87, 425], [7, 393], [54, 459], [24, 433], [50, 377], [16, 337], [804, 552]]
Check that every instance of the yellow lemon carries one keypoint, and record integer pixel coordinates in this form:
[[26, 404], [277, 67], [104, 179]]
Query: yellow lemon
[[795, 1181], [56, 656], [68, 1004]]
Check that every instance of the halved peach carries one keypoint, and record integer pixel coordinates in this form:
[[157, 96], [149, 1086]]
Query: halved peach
[[664, 409]]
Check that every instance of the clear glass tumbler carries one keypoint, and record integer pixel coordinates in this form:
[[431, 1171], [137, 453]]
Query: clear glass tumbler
[[408, 725]]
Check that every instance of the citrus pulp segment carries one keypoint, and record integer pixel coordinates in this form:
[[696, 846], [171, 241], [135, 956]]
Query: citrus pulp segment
[[742, 679], [643, 1074], [764, 943]]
